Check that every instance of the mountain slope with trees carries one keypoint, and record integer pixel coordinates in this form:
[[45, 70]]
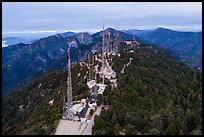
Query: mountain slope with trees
[[185, 46], [27, 111], [156, 95], [21, 63]]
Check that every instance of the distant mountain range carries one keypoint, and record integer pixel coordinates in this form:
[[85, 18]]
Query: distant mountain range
[[67, 34], [28, 38], [185, 46], [16, 40], [136, 31], [21, 63]]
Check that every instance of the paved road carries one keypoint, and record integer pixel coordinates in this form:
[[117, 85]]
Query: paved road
[[88, 129], [122, 71], [83, 113]]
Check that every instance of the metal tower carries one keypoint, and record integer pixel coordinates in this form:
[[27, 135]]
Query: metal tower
[[103, 49], [93, 69], [90, 68], [69, 83], [108, 43], [89, 71], [63, 109], [116, 42]]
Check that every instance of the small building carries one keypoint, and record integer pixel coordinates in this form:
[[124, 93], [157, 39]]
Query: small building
[[83, 102], [51, 102], [100, 74], [94, 89], [68, 115], [76, 109], [83, 120], [91, 83], [113, 83], [101, 88], [92, 104]]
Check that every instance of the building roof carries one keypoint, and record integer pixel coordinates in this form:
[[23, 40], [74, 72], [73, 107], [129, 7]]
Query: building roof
[[91, 83], [76, 108]]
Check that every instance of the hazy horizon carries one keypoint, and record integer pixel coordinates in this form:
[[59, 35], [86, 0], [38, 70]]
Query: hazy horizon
[[46, 17], [48, 33]]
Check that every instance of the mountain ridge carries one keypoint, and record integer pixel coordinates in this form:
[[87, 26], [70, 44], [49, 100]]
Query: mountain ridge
[[23, 62], [150, 99], [185, 46]]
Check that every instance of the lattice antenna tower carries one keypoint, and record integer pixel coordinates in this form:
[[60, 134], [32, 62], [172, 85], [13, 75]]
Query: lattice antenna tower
[[89, 71], [103, 48], [63, 109], [93, 69], [108, 50], [69, 83], [116, 41]]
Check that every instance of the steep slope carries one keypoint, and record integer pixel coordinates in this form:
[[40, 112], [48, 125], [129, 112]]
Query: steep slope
[[185, 46], [156, 95], [24, 62], [27, 110], [79, 39]]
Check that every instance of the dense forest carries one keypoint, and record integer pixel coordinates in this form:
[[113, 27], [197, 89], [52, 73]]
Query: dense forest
[[27, 110], [156, 95]]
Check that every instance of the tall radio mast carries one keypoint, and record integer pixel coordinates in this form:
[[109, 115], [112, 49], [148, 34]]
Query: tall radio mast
[[69, 83]]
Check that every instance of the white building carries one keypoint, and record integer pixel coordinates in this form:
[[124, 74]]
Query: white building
[[76, 109], [91, 83], [101, 88]]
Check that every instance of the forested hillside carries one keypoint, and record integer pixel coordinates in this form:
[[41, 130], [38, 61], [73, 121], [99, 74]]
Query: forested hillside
[[156, 95], [27, 110]]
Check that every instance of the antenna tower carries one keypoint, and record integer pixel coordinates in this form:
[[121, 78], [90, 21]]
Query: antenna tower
[[69, 83], [103, 48]]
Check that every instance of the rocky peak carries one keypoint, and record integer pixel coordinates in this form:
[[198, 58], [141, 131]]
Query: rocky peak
[[84, 38]]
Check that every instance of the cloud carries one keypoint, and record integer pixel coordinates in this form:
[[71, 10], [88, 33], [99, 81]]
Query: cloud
[[35, 16]]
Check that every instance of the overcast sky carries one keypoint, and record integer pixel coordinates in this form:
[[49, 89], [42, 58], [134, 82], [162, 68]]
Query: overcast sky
[[20, 17]]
